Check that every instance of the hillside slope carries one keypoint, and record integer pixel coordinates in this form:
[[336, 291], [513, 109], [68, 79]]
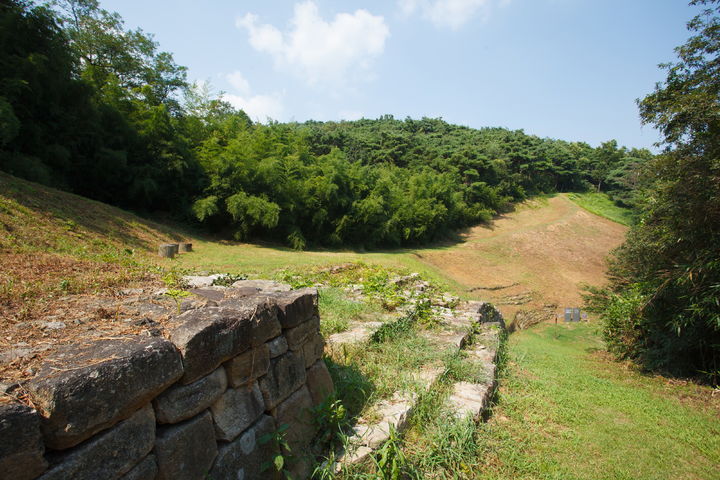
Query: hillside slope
[[55, 243], [542, 254]]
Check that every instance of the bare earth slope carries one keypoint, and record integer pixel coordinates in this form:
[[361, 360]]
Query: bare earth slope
[[540, 254]]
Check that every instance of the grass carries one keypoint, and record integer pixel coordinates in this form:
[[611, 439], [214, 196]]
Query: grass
[[600, 204], [568, 412], [55, 243], [565, 411], [265, 260], [337, 311]]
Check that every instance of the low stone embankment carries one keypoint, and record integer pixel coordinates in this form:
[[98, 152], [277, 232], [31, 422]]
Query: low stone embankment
[[190, 404]]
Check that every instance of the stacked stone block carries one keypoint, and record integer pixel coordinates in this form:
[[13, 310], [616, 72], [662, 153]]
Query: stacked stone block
[[196, 405]]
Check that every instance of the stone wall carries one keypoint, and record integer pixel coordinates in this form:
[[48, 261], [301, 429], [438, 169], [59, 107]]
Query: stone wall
[[190, 405]]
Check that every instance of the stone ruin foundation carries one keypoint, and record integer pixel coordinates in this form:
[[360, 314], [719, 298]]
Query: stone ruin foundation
[[193, 404]]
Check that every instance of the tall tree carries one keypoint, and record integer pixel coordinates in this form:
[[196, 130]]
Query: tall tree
[[664, 304]]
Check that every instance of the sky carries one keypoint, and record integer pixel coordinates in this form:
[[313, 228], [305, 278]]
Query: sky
[[567, 69]]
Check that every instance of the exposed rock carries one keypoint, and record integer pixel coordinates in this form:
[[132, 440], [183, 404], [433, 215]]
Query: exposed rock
[[145, 470], [186, 451], [395, 413], [245, 457], [319, 382], [215, 294], [470, 399], [357, 333], [208, 337], [285, 375], [248, 366], [262, 285], [235, 410], [277, 346], [297, 336], [262, 312], [109, 454], [148, 309], [83, 389], [12, 354], [181, 402], [297, 306], [51, 325], [21, 446], [296, 413], [313, 349], [200, 281]]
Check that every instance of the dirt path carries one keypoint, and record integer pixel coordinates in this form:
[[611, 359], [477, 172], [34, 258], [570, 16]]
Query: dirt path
[[533, 258]]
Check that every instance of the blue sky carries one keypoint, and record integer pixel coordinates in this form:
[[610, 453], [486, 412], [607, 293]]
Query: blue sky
[[568, 69]]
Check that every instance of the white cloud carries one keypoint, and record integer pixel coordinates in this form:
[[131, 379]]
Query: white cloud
[[239, 82], [327, 53], [451, 14], [259, 107]]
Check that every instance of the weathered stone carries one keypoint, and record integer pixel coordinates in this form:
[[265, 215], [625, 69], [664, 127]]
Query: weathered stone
[[357, 333], [248, 366], [296, 413], [313, 349], [245, 458], [489, 314], [301, 466], [263, 314], [145, 470], [21, 446], [107, 380], [166, 250], [394, 414], [277, 346], [237, 409], [297, 306], [470, 399], [181, 402], [208, 337], [285, 375], [297, 336], [186, 451], [200, 281], [184, 247], [262, 285], [215, 294], [109, 454], [319, 382]]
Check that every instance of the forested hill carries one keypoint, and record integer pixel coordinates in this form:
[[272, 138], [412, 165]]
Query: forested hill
[[91, 107]]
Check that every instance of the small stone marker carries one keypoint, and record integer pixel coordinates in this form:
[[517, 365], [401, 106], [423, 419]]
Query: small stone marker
[[184, 247], [574, 314], [167, 250]]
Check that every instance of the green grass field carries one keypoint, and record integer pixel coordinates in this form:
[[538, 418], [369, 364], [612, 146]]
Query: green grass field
[[565, 410], [268, 261], [600, 204], [568, 412]]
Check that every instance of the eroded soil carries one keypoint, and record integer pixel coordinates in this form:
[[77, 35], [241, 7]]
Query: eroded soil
[[539, 256]]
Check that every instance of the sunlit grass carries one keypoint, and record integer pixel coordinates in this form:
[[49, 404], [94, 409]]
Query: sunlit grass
[[566, 411], [600, 204]]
